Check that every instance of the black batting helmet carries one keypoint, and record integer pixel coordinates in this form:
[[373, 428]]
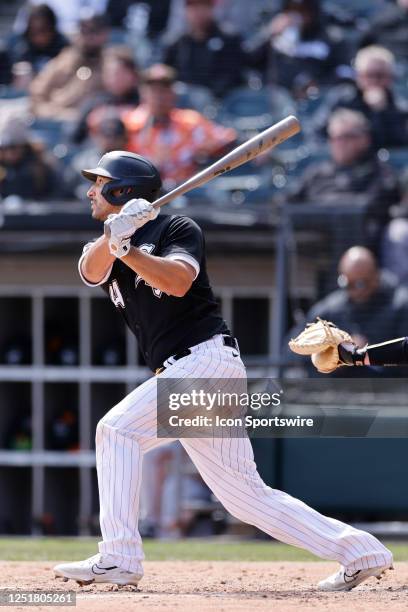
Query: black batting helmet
[[134, 175]]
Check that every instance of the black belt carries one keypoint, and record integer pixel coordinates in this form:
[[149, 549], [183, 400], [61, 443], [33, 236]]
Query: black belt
[[229, 341]]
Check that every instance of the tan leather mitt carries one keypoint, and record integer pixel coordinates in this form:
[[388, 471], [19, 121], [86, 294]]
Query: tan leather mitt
[[320, 340]]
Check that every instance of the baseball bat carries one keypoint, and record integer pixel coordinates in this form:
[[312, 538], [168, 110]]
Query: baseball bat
[[268, 139]]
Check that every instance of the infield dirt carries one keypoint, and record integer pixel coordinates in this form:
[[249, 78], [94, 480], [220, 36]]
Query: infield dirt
[[219, 585]]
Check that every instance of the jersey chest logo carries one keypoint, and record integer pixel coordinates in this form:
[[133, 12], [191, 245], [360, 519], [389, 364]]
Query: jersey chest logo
[[147, 248]]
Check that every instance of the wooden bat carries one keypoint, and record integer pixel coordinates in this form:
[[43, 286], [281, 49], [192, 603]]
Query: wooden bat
[[269, 138]]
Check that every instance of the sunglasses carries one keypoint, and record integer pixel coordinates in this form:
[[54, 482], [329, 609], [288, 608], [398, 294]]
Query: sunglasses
[[344, 283], [346, 136], [375, 75]]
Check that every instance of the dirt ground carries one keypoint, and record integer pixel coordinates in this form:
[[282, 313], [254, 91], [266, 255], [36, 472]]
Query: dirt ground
[[218, 585]]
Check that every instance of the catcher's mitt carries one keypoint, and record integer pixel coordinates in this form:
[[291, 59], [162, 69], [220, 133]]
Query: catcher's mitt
[[321, 340]]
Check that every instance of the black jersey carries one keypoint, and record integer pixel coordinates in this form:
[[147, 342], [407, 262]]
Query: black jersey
[[165, 324]]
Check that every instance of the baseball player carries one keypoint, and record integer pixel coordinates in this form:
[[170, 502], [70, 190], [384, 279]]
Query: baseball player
[[153, 268]]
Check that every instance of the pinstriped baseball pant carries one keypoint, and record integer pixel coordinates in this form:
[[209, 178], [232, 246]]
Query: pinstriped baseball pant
[[227, 466]]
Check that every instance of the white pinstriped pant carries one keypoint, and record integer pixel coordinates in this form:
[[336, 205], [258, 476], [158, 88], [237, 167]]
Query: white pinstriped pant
[[226, 464]]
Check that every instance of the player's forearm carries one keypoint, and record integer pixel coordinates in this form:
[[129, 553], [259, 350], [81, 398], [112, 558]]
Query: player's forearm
[[171, 277], [97, 261], [390, 353]]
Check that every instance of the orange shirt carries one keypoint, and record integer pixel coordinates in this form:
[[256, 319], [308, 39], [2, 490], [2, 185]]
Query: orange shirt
[[174, 147]]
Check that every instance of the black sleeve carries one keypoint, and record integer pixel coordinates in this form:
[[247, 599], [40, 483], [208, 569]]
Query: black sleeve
[[393, 352], [183, 238]]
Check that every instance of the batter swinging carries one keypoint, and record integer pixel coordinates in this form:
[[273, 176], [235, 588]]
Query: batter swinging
[[154, 271]]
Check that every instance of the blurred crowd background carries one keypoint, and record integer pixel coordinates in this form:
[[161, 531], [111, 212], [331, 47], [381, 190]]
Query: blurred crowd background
[[183, 82]]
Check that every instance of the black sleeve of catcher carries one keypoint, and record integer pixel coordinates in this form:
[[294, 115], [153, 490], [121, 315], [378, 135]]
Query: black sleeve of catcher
[[393, 352]]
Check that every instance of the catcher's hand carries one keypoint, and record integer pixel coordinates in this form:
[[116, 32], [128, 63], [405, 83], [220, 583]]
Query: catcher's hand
[[321, 340]]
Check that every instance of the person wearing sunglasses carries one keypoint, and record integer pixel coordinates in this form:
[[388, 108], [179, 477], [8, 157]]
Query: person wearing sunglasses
[[205, 55]]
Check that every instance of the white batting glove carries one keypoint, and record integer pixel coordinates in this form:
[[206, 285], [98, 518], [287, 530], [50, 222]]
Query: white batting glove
[[141, 211], [119, 230]]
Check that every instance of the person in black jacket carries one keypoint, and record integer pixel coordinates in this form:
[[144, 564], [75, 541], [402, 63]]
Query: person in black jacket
[[371, 94], [41, 40], [294, 49], [205, 55]]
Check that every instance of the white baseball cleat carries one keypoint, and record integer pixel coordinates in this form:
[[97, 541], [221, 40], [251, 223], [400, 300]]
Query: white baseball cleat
[[96, 569], [344, 580]]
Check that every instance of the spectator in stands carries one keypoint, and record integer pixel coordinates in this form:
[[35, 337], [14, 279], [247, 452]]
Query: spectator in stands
[[68, 12], [295, 47], [232, 14], [369, 303], [176, 140], [73, 76], [116, 11], [107, 133], [353, 176], [205, 55], [372, 94], [40, 41], [390, 30], [25, 169], [120, 89]]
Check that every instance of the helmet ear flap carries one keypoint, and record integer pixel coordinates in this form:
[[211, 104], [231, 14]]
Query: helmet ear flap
[[126, 192]]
